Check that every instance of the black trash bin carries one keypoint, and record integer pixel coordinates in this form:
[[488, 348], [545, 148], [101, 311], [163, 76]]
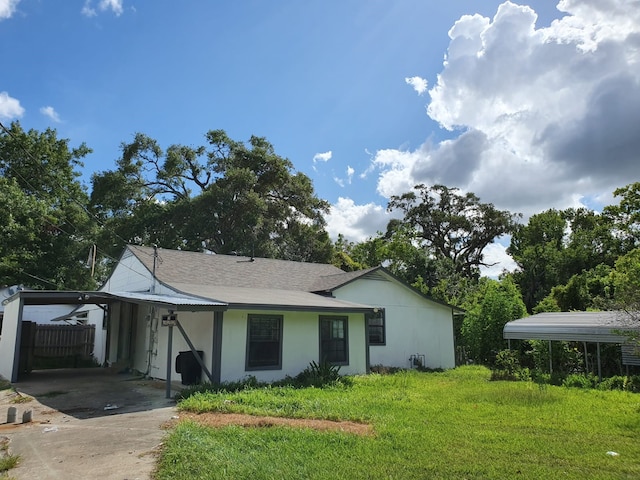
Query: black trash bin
[[187, 365]]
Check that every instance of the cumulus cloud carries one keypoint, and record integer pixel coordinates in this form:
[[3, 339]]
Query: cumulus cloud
[[115, 6], [8, 8], [51, 113], [356, 222], [10, 108], [419, 84], [541, 116], [538, 117]]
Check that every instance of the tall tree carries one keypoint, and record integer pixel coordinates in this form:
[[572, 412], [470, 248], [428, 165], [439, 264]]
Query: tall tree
[[47, 232], [494, 304], [537, 249], [453, 226], [625, 216], [227, 196]]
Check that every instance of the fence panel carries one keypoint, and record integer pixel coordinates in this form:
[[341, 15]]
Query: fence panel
[[64, 340]]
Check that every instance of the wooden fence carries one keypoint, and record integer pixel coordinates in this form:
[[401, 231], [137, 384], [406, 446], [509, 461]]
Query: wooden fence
[[64, 340]]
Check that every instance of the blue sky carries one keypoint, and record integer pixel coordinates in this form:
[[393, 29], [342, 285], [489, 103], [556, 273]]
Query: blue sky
[[530, 106]]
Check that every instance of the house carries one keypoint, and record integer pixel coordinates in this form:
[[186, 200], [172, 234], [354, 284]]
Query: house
[[244, 316]]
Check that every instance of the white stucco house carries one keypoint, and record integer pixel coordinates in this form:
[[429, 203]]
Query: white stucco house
[[262, 317]]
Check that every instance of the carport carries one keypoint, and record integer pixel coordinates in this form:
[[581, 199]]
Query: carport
[[585, 327], [11, 335]]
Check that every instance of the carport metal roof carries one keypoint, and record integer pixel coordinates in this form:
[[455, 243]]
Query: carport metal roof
[[599, 327], [77, 297]]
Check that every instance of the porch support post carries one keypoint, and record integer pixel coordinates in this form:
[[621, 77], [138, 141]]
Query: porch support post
[[194, 351], [599, 364], [216, 349], [169, 362], [15, 372], [366, 343]]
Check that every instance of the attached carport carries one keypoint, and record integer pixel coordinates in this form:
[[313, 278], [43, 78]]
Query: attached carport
[[11, 335], [585, 327]]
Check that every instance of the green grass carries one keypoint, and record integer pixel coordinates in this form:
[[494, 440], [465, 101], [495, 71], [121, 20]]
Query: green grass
[[450, 425]]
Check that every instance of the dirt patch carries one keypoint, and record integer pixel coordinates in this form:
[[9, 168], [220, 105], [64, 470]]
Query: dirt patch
[[217, 420]]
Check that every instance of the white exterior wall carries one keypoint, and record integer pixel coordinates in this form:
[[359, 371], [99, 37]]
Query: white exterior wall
[[300, 345], [96, 317], [413, 324], [300, 337], [198, 327], [42, 314], [129, 275], [8, 338]]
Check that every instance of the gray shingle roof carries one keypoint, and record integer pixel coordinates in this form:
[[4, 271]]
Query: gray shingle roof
[[175, 266], [328, 283]]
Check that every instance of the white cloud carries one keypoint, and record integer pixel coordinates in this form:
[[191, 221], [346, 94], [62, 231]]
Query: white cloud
[[350, 172], [496, 256], [541, 117], [345, 181], [8, 8], [419, 84], [115, 6], [51, 113], [356, 222], [10, 108], [322, 157]]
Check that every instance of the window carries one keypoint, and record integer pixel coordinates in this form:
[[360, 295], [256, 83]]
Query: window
[[264, 342], [334, 340], [376, 326]]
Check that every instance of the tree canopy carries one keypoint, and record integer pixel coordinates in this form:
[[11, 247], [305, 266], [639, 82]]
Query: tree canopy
[[226, 197], [46, 230], [454, 226]]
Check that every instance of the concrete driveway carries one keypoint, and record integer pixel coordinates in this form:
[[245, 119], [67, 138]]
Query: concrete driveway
[[86, 423]]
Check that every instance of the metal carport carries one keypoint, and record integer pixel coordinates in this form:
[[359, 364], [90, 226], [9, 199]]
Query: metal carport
[[593, 327], [10, 337]]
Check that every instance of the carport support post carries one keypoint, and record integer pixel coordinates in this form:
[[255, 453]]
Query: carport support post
[[550, 359], [599, 365], [169, 363], [15, 372]]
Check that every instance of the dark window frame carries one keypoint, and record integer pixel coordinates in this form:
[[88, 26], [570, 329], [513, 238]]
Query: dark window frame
[[250, 363], [331, 342], [381, 330]]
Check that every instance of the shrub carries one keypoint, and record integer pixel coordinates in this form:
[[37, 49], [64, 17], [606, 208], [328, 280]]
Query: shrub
[[318, 375], [580, 380], [508, 367], [613, 383], [384, 370], [246, 383], [621, 382]]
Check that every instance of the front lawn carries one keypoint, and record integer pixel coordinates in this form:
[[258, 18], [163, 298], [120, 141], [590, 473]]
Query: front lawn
[[450, 425]]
